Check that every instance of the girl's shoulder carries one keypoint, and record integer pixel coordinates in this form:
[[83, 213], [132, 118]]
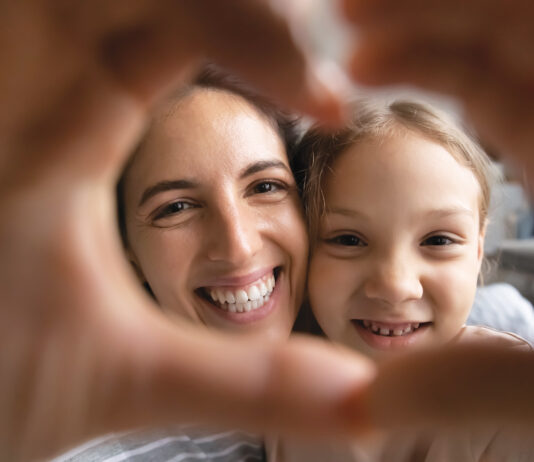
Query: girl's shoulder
[[482, 334]]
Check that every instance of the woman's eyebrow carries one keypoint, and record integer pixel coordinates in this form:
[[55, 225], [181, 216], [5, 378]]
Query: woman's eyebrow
[[165, 186], [262, 165]]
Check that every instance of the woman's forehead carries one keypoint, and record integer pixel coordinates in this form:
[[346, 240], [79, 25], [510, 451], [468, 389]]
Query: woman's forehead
[[206, 130]]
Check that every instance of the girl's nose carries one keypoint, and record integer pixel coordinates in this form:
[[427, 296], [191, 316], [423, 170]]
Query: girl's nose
[[235, 235], [394, 281]]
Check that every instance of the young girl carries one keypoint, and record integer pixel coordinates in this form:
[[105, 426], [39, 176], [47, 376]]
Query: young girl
[[397, 208]]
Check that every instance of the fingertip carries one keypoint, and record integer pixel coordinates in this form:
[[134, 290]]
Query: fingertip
[[328, 91]]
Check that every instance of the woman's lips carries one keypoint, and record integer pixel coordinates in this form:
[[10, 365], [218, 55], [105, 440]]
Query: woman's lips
[[386, 336], [245, 304]]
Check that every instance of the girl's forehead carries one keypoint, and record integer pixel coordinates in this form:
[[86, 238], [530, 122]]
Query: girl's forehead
[[409, 166]]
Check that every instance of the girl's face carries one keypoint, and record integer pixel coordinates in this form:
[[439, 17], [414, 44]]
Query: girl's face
[[213, 218], [399, 248]]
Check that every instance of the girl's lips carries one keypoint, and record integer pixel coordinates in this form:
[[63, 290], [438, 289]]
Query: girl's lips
[[390, 336]]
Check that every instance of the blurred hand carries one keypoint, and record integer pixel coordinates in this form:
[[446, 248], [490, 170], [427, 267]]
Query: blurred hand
[[480, 51], [82, 349]]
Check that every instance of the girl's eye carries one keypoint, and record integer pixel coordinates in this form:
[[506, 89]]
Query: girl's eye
[[349, 240], [438, 241], [173, 208]]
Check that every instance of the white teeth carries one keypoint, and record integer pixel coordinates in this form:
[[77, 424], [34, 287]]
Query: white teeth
[[377, 329], [242, 300], [241, 296], [229, 297], [253, 293]]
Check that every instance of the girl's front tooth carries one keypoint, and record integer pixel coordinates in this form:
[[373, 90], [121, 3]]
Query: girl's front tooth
[[384, 331], [398, 331], [253, 293], [241, 296]]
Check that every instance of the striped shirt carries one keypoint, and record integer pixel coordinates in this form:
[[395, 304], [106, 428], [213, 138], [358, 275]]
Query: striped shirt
[[169, 444]]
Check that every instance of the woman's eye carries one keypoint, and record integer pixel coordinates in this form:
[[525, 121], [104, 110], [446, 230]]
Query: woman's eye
[[268, 187], [172, 209], [438, 241], [348, 240]]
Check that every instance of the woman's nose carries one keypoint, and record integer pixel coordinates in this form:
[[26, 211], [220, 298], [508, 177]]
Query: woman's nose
[[393, 280], [235, 235]]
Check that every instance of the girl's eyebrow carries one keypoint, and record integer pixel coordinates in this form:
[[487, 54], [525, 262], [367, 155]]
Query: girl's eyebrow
[[448, 211], [346, 212], [165, 186]]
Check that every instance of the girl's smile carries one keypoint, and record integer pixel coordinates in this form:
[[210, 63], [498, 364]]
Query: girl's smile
[[399, 246]]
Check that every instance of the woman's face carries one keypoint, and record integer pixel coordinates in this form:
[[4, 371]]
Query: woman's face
[[213, 219]]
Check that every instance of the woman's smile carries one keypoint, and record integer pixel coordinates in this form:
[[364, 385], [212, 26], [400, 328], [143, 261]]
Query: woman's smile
[[244, 303]]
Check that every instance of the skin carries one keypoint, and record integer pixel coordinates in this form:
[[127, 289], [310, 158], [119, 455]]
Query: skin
[[70, 306], [225, 231], [400, 243]]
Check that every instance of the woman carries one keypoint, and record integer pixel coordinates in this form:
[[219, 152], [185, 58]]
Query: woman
[[210, 213], [211, 220]]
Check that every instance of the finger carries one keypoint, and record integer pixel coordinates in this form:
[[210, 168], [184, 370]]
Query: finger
[[457, 24], [248, 37], [495, 100], [462, 386], [294, 388]]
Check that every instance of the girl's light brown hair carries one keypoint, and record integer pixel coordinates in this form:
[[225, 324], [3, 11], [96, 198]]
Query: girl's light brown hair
[[376, 119]]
